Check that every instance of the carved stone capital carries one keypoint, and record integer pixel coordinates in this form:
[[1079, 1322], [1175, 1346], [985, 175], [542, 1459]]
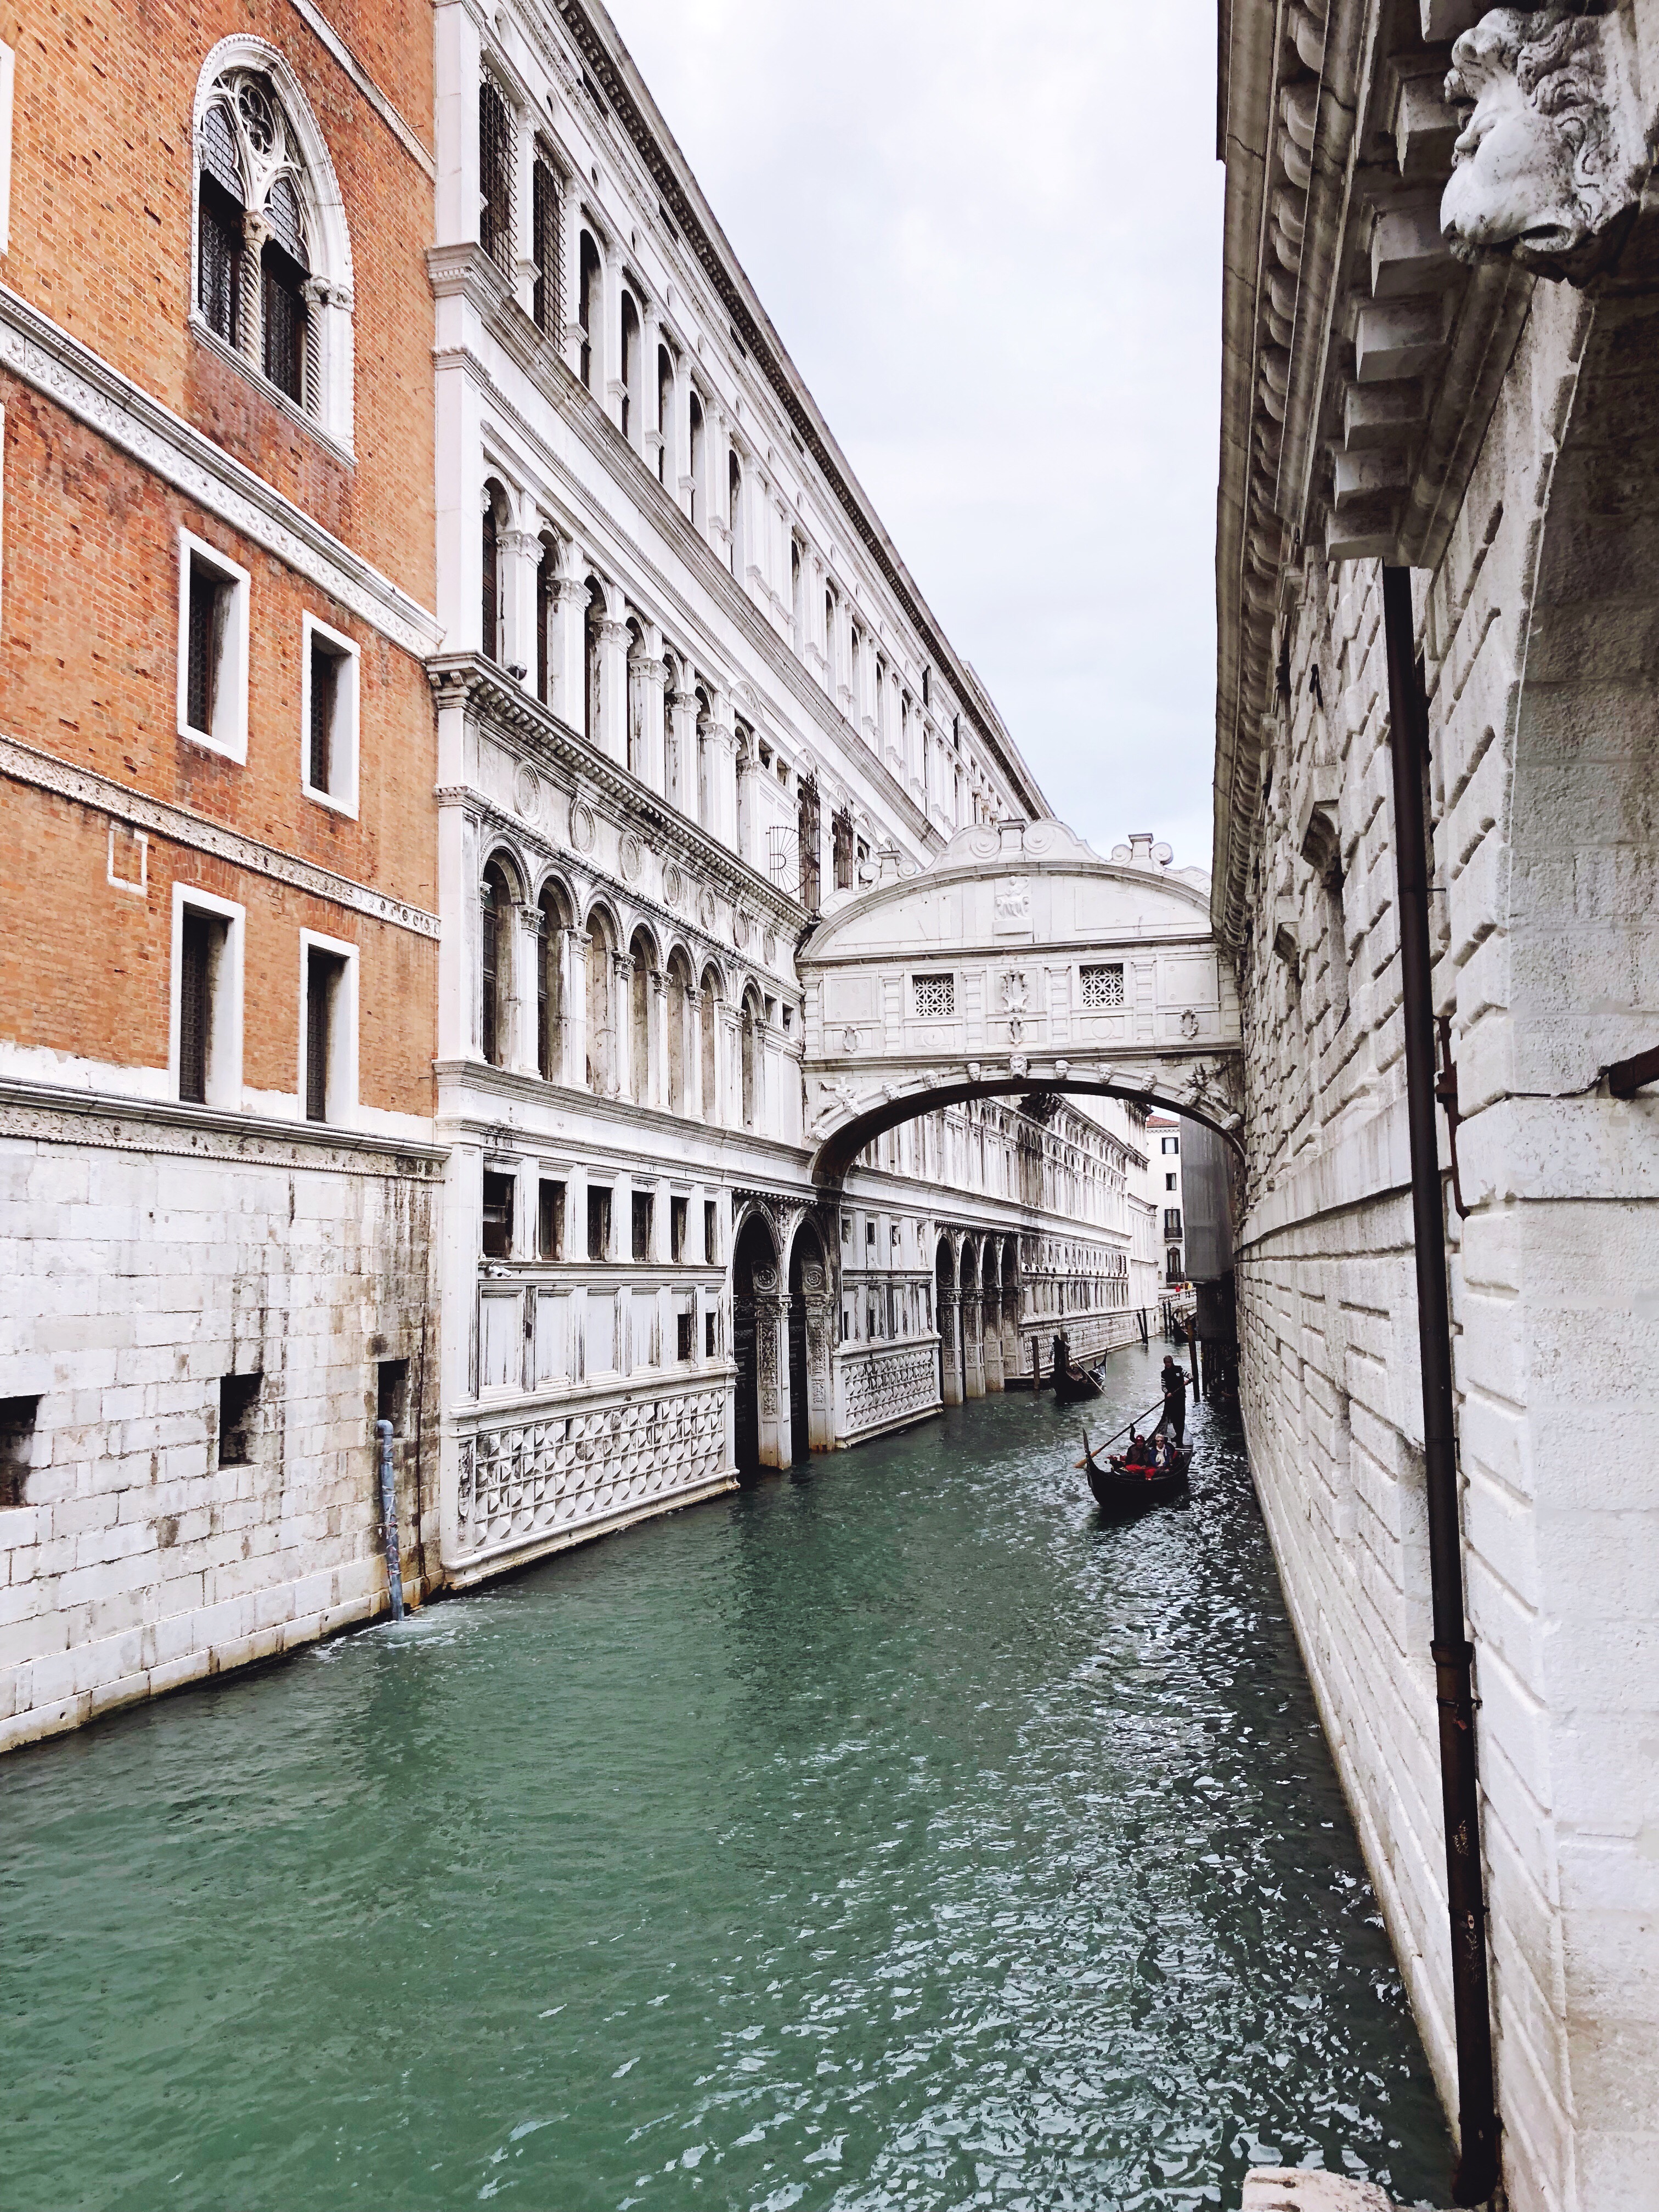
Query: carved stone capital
[[1549, 166]]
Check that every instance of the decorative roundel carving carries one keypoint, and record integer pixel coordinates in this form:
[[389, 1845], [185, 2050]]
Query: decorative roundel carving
[[769, 947], [984, 844], [740, 927], [581, 825], [707, 910], [526, 792], [631, 855], [673, 883]]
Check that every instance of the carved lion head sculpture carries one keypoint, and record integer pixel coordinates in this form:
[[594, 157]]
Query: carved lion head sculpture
[[1542, 164]]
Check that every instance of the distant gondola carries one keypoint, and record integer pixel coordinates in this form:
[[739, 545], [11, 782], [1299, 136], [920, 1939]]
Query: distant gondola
[[1122, 1490], [1072, 1385]]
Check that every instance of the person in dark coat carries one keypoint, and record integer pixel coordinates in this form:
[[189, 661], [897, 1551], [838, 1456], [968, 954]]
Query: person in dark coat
[[1175, 1401]]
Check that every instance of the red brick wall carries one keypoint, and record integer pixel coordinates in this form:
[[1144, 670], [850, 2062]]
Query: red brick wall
[[100, 222], [89, 660], [85, 969]]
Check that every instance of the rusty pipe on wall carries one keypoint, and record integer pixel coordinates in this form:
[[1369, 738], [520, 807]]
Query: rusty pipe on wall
[[1477, 2173]]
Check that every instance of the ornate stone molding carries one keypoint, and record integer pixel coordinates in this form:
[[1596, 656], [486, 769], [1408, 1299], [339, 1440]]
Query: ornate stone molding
[[1549, 165], [50, 1114], [75, 378], [160, 817]]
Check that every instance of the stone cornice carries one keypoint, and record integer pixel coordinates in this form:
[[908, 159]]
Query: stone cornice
[[50, 1113], [490, 696], [1360, 362], [597, 40], [73, 377], [181, 825]]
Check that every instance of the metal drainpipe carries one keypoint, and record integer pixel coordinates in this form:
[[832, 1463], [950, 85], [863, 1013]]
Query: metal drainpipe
[[1477, 2173], [394, 1572]]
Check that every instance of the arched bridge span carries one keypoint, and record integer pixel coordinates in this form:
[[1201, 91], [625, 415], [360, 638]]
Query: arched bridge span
[[1019, 962]]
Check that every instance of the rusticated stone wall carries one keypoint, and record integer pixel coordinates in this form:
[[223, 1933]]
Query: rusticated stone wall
[[1537, 635]]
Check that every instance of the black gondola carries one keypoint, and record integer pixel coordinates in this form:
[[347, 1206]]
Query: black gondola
[[1072, 1385], [1124, 1491]]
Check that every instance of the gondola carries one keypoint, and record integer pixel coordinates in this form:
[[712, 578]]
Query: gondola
[[1073, 1386], [1122, 1490]]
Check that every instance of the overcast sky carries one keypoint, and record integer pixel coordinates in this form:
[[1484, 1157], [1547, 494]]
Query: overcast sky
[[990, 239]]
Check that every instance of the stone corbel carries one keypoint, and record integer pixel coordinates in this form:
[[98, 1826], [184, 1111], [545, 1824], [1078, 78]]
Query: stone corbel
[[1551, 160]]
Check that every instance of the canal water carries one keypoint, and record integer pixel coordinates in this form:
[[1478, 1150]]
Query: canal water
[[892, 1835]]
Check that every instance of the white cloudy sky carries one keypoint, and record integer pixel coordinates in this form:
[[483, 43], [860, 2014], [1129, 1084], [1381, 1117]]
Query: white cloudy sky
[[990, 238]]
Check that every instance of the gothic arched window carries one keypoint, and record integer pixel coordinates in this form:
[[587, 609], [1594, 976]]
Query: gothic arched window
[[273, 269]]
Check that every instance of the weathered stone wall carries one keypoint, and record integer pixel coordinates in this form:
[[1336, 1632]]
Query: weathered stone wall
[[1537, 633], [142, 1259]]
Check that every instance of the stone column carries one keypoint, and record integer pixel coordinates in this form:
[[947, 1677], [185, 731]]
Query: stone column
[[991, 1337], [772, 1368], [613, 679], [251, 316], [722, 771], [524, 207], [682, 786], [622, 1024], [576, 1012], [519, 553], [684, 483], [650, 676], [567, 618], [570, 239], [526, 959], [949, 1324], [696, 1106], [652, 442], [659, 1095], [729, 1050]]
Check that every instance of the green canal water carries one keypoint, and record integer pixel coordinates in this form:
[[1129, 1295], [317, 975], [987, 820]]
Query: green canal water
[[890, 1835]]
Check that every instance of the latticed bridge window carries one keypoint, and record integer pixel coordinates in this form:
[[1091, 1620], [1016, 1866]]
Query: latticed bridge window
[[936, 997], [1102, 986]]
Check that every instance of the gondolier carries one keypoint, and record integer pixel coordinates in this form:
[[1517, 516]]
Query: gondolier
[[1175, 1401]]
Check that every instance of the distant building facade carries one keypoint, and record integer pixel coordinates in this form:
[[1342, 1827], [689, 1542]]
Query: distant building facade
[[1164, 1133]]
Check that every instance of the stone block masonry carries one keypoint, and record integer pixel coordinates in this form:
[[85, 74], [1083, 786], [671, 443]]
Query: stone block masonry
[[198, 1340]]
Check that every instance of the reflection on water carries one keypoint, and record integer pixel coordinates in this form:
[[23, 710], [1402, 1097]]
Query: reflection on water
[[895, 1834]]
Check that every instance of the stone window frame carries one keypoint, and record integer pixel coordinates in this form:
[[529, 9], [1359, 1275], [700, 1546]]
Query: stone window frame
[[302, 157], [347, 716], [342, 1077], [224, 1083], [229, 741]]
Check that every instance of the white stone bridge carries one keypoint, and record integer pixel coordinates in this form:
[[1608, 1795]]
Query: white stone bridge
[[1019, 962]]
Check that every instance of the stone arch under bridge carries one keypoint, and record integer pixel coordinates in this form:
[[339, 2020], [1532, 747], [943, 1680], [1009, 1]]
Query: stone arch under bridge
[[1019, 962]]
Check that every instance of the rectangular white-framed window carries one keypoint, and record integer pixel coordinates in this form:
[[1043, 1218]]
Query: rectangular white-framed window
[[204, 1014], [8, 87], [329, 693], [213, 632], [328, 1029]]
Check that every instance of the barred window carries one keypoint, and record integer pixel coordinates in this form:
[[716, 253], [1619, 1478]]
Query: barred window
[[494, 177], [544, 244], [935, 996], [1103, 986], [219, 258]]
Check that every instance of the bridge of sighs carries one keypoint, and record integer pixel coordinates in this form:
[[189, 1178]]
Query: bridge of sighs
[[1019, 962]]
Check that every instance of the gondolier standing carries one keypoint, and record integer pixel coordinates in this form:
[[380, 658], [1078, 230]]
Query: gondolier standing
[[1175, 1401]]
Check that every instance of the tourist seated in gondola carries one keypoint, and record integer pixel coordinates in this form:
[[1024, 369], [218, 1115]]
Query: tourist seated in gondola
[[1140, 1453], [1161, 1453]]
